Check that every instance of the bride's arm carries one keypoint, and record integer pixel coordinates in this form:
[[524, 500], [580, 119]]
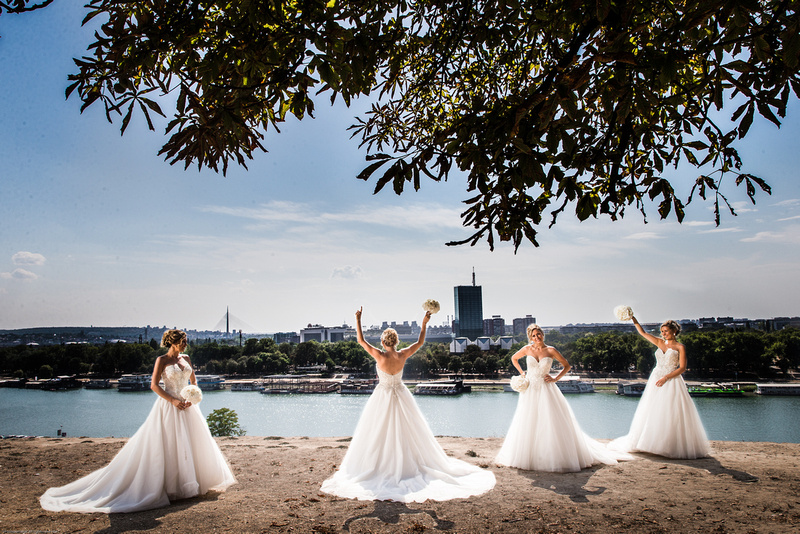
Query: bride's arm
[[411, 349], [372, 351], [192, 378], [553, 352], [517, 355], [649, 337]]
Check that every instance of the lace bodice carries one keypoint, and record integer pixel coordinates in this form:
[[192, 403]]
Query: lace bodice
[[385, 380], [537, 370], [666, 362], [176, 378]]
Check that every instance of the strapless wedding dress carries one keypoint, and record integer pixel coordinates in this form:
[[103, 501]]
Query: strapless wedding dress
[[172, 456], [544, 434], [394, 456], [666, 421]]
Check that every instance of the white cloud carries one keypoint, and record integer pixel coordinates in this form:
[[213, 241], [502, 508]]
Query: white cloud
[[743, 206], [698, 223], [19, 274], [721, 230], [789, 218], [347, 272], [790, 235], [27, 258], [430, 217], [644, 236], [788, 202]]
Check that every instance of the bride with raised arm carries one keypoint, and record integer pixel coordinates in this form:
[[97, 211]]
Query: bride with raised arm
[[544, 434], [666, 421], [393, 455], [172, 455]]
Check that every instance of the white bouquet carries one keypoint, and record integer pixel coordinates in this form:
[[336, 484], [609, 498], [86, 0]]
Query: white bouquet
[[519, 383], [623, 313], [192, 394], [431, 305]]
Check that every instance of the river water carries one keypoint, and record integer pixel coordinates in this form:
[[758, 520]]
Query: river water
[[102, 413]]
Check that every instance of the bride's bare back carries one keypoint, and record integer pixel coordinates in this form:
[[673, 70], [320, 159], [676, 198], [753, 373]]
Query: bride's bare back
[[389, 359]]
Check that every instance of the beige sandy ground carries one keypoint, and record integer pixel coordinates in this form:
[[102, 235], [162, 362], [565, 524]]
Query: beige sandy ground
[[744, 487]]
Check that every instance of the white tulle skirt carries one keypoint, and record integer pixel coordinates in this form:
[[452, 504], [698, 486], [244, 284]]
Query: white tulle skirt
[[172, 456], [394, 456], [666, 423], [545, 436]]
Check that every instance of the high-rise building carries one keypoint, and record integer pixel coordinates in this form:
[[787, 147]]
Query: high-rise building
[[496, 326], [521, 324], [469, 310]]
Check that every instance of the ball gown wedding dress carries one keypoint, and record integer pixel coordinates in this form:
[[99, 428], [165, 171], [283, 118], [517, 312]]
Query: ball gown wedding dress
[[666, 421], [544, 434], [394, 456], [172, 456]]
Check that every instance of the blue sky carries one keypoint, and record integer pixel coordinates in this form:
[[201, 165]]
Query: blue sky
[[96, 229]]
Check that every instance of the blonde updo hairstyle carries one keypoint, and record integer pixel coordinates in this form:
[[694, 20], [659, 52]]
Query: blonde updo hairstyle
[[672, 325], [531, 329], [389, 337], [172, 337]]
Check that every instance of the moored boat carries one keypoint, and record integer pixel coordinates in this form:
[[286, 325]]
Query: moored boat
[[630, 389], [358, 386], [286, 384], [133, 383], [715, 390], [245, 386], [573, 384], [450, 387], [210, 382], [778, 389], [62, 383], [98, 383]]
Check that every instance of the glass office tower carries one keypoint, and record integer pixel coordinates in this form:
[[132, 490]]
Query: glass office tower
[[469, 311]]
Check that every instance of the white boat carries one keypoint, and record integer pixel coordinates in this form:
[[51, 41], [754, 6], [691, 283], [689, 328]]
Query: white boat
[[133, 383], [573, 384], [631, 389], [358, 386], [245, 386], [98, 383], [778, 389], [210, 382]]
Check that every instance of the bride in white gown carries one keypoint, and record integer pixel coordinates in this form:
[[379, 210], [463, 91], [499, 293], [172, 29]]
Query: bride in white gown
[[666, 421], [544, 434], [393, 454], [172, 455]]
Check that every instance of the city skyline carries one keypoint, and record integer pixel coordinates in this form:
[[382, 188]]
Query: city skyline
[[98, 230], [701, 322]]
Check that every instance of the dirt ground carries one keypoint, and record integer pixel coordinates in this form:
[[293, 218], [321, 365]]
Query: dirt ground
[[744, 487]]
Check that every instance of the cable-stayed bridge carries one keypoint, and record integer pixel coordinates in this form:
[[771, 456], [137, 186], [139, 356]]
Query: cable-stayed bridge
[[231, 323]]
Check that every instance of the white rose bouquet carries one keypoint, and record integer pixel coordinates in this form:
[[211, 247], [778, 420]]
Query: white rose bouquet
[[519, 383], [623, 313], [431, 305], [192, 394]]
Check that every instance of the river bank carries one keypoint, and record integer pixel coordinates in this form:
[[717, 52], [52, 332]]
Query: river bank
[[744, 487]]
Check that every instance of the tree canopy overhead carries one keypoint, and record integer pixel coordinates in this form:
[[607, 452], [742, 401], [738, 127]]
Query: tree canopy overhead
[[542, 104]]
